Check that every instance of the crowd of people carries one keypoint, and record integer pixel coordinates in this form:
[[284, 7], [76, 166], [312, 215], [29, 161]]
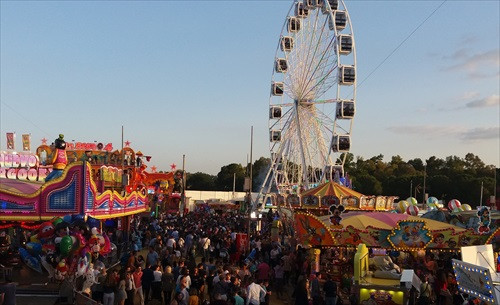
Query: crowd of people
[[197, 259]]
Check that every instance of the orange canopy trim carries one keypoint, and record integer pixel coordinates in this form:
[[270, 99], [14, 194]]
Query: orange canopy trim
[[332, 189], [311, 231]]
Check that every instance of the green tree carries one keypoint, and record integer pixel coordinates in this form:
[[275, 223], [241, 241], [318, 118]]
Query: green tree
[[200, 181], [259, 171], [224, 181]]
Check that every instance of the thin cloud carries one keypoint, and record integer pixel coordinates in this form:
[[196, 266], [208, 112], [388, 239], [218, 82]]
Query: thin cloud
[[490, 101], [429, 131], [476, 66], [457, 132], [459, 54], [469, 94], [483, 133]]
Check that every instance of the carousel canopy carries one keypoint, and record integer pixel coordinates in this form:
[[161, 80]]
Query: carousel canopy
[[333, 189], [387, 221]]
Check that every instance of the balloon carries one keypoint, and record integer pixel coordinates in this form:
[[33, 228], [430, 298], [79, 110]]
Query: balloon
[[65, 245], [34, 248], [432, 200], [78, 217], [431, 207], [46, 230], [57, 221], [48, 247], [466, 207], [439, 205], [412, 210], [29, 260], [106, 248], [94, 231], [34, 239], [454, 203], [93, 223], [411, 201], [401, 206], [83, 265], [81, 225], [67, 218], [457, 210], [81, 242]]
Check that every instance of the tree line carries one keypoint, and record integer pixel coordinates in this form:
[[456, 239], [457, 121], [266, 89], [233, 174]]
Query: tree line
[[449, 178]]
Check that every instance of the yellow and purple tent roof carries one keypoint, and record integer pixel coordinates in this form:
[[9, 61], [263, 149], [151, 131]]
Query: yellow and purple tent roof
[[332, 189]]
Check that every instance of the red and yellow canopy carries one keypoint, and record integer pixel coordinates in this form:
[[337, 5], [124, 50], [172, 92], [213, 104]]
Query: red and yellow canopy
[[333, 189]]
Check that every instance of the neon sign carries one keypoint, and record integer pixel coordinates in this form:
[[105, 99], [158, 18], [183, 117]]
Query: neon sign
[[89, 146], [22, 167]]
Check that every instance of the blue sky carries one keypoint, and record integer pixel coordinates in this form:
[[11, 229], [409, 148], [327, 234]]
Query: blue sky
[[191, 77]]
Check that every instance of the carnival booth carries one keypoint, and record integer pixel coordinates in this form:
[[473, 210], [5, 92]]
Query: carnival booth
[[476, 274], [333, 240]]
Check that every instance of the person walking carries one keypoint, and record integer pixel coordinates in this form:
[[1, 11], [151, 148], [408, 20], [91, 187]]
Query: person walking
[[129, 288], [167, 284], [300, 292], [121, 293], [147, 280], [137, 276], [254, 291], [110, 285], [331, 291]]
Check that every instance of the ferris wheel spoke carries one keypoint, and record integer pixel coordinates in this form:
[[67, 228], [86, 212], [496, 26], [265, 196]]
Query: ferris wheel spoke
[[320, 67]]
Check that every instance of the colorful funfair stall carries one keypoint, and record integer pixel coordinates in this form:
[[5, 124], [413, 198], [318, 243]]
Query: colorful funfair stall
[[389, 241]]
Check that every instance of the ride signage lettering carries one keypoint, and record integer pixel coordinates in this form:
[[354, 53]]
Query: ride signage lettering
[[89, 146], [22, 167]]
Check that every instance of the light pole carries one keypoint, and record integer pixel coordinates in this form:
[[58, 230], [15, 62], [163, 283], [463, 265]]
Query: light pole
[[250, 206], [425, 175]]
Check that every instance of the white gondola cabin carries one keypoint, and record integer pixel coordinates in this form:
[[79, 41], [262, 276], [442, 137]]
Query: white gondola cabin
[[345, 44], [277, 88], [318, 3], [275, 135], [294, 24], [347, 75], [281, 65], [334, 5], [341, 143], [338, 22], [345, 109], [300, 10], [309, 4], [275, 112], [286, 43], [333, 170]]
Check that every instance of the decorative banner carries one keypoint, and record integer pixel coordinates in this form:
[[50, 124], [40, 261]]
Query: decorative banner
[[311, 231], [26, 142], [10, 140], [474, 280], [410, 235], [483, 214], [335, 215]]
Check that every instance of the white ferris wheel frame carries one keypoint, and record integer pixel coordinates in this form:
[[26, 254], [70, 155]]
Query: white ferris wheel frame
[[344, 124]]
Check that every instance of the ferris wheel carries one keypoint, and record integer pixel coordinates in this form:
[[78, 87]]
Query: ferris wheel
[[312, 100]]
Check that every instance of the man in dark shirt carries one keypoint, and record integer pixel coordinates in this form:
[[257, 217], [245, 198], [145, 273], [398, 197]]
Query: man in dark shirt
[[147, 281], [330, 289]]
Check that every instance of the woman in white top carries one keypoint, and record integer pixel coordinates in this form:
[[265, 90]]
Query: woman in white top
[[156, 285]]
